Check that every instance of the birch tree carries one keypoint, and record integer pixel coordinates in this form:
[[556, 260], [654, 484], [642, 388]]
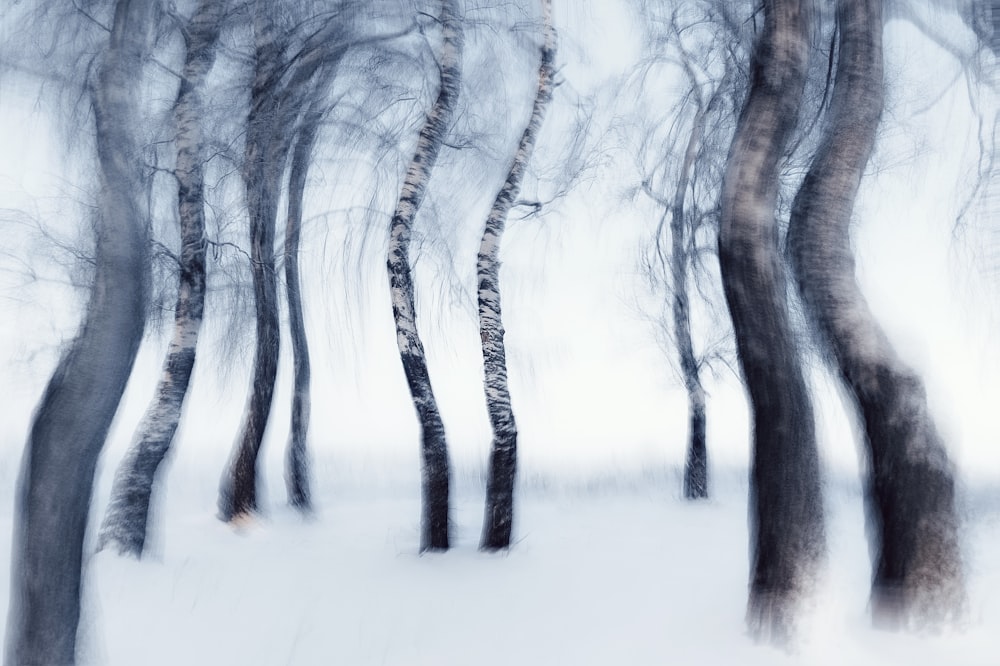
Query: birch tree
[[72, 419], [787, 533], [502, 471], [125, 524], [911, 487], [434, 450]]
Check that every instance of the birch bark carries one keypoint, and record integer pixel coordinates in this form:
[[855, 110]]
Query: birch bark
[[434, 450], [502, 472]]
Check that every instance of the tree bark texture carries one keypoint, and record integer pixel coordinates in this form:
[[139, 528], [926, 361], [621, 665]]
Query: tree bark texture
[[125, 523], [434, 449], [72, 420], [911, 489], [502, 472], [787, 534]]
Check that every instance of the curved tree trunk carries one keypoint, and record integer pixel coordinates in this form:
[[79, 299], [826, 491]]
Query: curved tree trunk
[[264, 165], [787, 535], [125, 522], [911, 487], [297, 461], [434, 449], [75, 412], [502, 472]]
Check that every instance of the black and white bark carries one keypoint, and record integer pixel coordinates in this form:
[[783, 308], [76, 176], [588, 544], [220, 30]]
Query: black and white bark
[[125, 524], [434, 449], [71, 422], [911, 488], [502, 472], [786, 515]]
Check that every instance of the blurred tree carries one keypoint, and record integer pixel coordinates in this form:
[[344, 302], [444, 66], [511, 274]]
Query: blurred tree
[[918, 575], [72, 420], [434, 449], [125, 524], [286, 66], [502, 471], [786, 515]]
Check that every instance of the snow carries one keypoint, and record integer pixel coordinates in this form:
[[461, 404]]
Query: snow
[[604, 571]]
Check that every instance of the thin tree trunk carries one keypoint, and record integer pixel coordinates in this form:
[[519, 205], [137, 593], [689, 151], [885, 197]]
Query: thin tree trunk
[[265, 158], [297, 461], [696, 466], [72, 420], [434, 449], [786, 516], [502, 472], [911, 499], [128, 513]]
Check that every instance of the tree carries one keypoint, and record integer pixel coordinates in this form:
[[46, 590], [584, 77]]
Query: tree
[[284, 69], [787, 533], [434, 450], [499, 518], [681, 162], [125, 523], [72, 419], [911, 489]]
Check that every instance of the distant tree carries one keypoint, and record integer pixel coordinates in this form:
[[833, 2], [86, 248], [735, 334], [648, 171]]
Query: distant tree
[[434, 450], [681, 160], [125, 524], [918, 576], [71, 422], [499, 517], [786, 515]]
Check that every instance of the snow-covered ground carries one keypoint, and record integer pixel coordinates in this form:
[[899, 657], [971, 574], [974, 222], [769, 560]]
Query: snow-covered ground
[[612, 571]]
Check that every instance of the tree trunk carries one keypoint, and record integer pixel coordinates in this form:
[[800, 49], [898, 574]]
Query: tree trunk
[[297, 461], [434, 449], [75, 412], [502, 472], [265, 158], [911, 494], [696, 465], [787, 535], [126, 519]]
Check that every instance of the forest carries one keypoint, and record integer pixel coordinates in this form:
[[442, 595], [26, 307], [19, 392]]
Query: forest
[[432, 331]]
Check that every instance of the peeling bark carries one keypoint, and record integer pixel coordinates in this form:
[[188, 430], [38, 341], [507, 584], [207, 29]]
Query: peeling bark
[[502, 473], [71, 422], [911, 489], [787, 534], [125, 524], [434, 450]]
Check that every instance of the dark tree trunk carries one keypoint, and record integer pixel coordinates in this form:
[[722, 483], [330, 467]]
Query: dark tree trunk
[[499, 518], [696, 465], [297, 461], [434, 449], [786, 516], [265, 158], [125, 522], [911, 499], [75, 412]]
